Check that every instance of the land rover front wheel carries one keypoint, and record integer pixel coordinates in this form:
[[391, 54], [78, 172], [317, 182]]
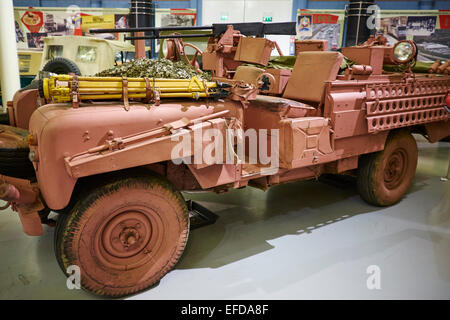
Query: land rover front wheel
[[124, 236], [385, 176]]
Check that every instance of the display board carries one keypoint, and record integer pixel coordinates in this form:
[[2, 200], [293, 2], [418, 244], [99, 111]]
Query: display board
[[430, 29], [321, 24], [175, 17], [34, 24]]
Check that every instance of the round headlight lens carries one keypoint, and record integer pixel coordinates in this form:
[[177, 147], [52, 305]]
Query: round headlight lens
[[404, 51], [165, 50]]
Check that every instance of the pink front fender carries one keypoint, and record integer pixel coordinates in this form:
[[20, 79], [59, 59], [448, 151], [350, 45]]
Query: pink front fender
[[62, 131]]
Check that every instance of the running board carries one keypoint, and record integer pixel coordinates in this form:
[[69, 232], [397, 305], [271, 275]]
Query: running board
[[200, 216]]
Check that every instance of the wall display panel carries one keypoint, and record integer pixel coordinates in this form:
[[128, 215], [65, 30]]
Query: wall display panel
[[321, 24], [173, 18], [430, 29], [33, 24]]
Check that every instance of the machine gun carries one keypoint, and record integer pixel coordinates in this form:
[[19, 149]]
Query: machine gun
[[258, 29]]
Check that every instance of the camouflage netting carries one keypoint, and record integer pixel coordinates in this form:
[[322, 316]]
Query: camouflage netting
[[149, 68]]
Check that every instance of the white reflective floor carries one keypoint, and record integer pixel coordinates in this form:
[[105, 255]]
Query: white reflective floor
[[304, 240]]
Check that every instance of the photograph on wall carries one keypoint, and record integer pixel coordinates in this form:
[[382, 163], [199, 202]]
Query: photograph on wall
[[304, 26], [393, 28], [121, 21], [330, 32], [62, 22], [55, 25], [176, 18], [323, 26], [33, 24], [421, 25], [106, 21], [19, 34], [434, 47], [432, 41]]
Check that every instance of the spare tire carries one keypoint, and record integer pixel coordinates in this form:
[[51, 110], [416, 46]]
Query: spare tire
[[61, 66], [14, 152]]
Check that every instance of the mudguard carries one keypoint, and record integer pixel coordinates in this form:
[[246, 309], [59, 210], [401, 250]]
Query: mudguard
[[60, 131]]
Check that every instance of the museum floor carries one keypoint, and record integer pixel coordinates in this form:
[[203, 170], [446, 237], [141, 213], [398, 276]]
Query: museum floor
[[304, 240]]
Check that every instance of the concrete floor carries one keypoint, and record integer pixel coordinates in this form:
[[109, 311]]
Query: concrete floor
[[304, 240]]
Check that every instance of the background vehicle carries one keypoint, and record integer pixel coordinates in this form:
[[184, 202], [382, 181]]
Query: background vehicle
[[29, 66], [71, 54]]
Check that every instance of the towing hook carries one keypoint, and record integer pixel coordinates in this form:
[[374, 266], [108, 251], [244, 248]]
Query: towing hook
[[10, 193]]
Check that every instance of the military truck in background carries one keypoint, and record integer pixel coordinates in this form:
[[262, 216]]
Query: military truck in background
[[82, 55]]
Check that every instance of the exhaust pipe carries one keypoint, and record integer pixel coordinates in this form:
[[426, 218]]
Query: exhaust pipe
[[31, 222]]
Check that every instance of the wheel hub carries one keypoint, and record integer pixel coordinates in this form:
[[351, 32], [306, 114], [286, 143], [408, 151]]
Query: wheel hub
[[128, 237], [126, 234], [395, 168]]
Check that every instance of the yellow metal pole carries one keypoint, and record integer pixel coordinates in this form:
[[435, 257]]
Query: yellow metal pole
[[58, 88]]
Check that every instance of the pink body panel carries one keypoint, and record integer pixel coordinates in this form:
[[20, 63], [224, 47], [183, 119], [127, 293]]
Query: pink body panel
[[24, 104]]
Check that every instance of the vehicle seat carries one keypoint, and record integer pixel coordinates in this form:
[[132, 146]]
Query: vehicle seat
[[248, 74], [286, 107], [311, 71]]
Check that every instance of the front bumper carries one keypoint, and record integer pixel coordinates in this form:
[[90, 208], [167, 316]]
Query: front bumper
[[23, 196]]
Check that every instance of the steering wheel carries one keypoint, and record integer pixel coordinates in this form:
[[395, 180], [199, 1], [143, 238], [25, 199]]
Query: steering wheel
[[194, 61], [176, 48]]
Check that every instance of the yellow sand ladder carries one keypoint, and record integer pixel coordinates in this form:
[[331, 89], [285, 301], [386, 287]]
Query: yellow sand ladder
[[66, 88]]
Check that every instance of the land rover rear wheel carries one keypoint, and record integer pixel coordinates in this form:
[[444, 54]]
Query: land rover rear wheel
[[385, 176], [124, 236]]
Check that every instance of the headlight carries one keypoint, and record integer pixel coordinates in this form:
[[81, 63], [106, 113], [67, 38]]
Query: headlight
[[404, 51]]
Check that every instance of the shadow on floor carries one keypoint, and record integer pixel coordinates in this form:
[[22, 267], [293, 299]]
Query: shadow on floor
[[249, 218]]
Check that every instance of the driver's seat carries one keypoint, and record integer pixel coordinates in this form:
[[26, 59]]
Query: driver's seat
[[248, 74]]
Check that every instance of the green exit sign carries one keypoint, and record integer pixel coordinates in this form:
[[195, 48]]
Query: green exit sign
[[267, 19], [223, 17]]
